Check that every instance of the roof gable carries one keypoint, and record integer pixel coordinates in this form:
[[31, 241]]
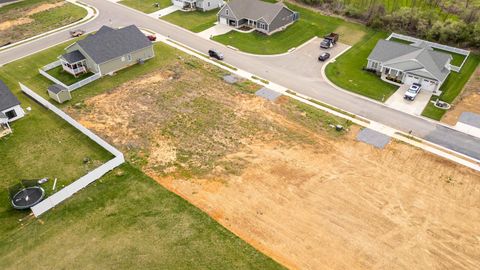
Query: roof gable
[[108, 43], [7, 99], [255, 9]]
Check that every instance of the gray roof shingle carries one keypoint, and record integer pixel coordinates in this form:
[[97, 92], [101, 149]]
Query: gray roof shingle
[[7, 99], [56, 88], [255, 9], [421, 60], [73, 57], [108, 43]]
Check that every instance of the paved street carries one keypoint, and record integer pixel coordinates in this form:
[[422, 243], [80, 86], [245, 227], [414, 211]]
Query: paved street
[[298, 71]]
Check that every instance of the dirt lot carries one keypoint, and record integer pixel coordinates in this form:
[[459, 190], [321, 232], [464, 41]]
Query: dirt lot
[[469, 101], [276, 175]]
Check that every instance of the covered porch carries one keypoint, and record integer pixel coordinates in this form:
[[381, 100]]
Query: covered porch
[[74, 63], [189, 5], [4, 125], [392, 74]]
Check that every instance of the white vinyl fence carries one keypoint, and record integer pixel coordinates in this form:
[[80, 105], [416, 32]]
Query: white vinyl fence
[[436, 46], [83, 181], [72, 87]]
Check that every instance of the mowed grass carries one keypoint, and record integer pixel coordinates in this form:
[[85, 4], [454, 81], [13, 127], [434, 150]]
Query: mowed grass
[[125, 221], [41, 22], [347, 71], [147, 6], [453, 87], [67, 78], [457, 58], [310, 24], [195, 21], [25, 70]]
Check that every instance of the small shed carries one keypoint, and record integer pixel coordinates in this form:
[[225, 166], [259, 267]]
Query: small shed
[[59, 93]]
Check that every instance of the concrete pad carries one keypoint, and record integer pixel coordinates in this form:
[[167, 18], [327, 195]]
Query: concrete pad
[[231, 79], [373, 137], [469, 123], [218, 29], [164, 12], [268, 94], [396, 101]]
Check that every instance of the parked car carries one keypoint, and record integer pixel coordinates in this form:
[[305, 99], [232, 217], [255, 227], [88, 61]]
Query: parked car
[[215, 54], [329, 41], [152, 37], [324, 56], [412, 92], [77, 33]]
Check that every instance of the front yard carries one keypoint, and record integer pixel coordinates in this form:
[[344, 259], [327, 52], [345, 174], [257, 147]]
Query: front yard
[[309, 25], [147, 6], [347, 71], [195, 21], [25, 19]]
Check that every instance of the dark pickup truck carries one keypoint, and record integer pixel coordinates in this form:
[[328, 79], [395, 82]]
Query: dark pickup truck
[[329, 41]]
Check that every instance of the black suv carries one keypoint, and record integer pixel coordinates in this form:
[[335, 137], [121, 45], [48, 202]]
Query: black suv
[[324, 56], [213, 53]]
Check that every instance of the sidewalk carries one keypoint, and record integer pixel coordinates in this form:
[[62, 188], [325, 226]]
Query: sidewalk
[[164, 12]]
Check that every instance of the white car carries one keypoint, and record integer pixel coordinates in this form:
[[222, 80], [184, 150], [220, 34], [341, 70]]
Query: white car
[[412, 92]]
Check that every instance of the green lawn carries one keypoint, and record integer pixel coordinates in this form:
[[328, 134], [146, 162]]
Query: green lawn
[[309, 25], [146, 6], [195, 21], [65, 77], [26, 71], [457, 58], [453, 87], [124, 221], [347, 72], [40, 22]]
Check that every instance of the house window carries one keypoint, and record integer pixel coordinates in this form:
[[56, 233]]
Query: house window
[[226, 11], [208, 4], [11, 114]]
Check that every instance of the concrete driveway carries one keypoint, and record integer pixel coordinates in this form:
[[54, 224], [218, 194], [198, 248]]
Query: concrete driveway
[[216, 30], [397, 102]]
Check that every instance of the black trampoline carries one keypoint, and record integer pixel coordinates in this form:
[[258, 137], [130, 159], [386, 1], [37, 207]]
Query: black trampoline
[[27, 197]]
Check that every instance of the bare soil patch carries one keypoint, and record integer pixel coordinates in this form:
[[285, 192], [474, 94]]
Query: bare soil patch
[[44, 7], [469, 101], [9, 24], [276, 175]]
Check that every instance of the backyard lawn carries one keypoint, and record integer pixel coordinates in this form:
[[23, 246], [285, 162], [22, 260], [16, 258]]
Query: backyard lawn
[[29, 18], [146, 6], [195, 21], [453, 87], [309, 25], [124, 221], [457, 58], [67, 78], [347, 71]]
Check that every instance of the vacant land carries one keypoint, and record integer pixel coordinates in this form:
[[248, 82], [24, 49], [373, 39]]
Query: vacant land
[[147, 6], [125, 221], [195, 21], [468, 101], [347, 71], [309, 25], [279, 177], [25, 19]]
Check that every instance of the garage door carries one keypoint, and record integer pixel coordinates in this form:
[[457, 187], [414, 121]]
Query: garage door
[[411, 79], [429, 85], [223, 20]]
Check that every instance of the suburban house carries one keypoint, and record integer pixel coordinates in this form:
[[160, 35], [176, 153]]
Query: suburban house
[[10, 109], [107, 51], [203, 5], [408, 64], [262, 16]]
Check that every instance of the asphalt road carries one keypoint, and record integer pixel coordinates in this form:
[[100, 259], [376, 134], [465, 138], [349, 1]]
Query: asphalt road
[[297, 71]]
